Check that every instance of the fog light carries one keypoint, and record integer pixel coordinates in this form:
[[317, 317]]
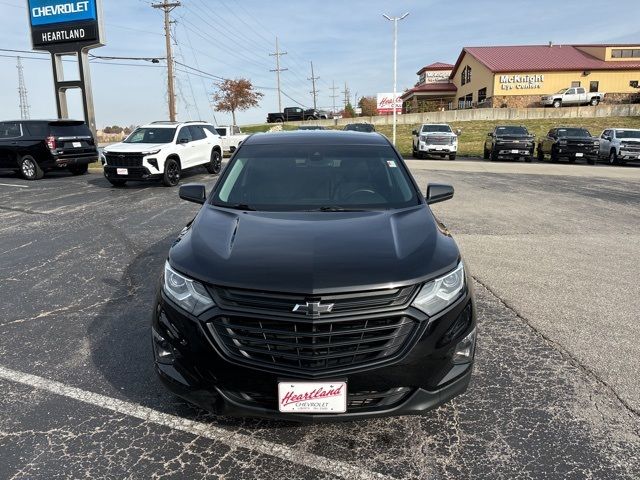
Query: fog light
[[154, 163], [465, 349], [162, 349]]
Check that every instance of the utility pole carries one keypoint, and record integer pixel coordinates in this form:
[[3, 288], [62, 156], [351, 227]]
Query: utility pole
[[314, 92], [22, 92], [395, 66], [333, 94], [347, 93], [167, 7], [278, 54]]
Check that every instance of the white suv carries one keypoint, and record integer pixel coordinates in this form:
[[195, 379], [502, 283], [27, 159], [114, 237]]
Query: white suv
[[435, 139], [161, 150]]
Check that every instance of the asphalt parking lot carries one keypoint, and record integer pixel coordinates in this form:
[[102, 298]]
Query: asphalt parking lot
[[554, 250]]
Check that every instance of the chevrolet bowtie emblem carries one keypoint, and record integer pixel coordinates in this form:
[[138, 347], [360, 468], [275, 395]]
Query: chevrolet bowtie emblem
[[313, 308]]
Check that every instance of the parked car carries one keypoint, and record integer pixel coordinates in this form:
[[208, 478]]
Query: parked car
[[360, 127], [619, 145], [296, 114], [570, 143], [230, 136], [572, 96], [162, 150], [33, 147], [435, 139], [509, 142], [362, 306]]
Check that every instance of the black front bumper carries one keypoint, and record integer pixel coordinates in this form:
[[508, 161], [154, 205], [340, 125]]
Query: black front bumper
[[133, 173], [512, 151], [577, 153], [202, 374]]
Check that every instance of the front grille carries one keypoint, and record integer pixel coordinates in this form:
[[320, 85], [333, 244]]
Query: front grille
[[124, 159], [438, 140], [630, 146], [282, 303], [580, 143], [312, 346], [370, 399]]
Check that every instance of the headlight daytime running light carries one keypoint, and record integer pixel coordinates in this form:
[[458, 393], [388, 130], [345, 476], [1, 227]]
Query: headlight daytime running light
[[187, 293], [438, 294]]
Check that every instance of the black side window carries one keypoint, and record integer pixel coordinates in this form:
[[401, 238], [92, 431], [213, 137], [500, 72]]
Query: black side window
[[185, 133], [10, 130], [39, 130], [197, 133]]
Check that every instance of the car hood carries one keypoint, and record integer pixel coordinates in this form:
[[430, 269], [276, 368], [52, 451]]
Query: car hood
[[314, 252], [132, 147], [629, 140], [580, 139], [515, 137]]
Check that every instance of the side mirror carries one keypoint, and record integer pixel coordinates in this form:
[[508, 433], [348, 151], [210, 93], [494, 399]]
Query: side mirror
[[607, 137], [193, 192], [183, 140], [438, 192], [414, 132], [490, 134], [459, 132]]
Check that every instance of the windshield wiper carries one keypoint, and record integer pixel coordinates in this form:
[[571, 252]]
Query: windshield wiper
[[237, 206], [338, 208]]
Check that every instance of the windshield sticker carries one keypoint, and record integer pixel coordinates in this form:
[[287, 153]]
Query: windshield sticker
[[391, 163]]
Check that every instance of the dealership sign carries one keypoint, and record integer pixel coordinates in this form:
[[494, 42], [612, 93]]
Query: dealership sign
[[386, 103], [521, 82], [55, 22], [434, 76]]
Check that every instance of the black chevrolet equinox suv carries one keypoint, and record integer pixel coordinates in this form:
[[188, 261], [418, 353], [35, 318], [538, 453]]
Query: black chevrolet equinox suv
[[32, 147], [315, 284]]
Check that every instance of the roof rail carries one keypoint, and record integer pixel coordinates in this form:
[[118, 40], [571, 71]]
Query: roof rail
[[164, 122]]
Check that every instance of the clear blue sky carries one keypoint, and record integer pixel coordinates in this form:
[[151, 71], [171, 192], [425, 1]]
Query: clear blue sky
[[348, 41]]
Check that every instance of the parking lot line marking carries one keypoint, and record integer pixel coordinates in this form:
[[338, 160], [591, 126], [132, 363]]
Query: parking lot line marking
[[227, 437], [14, 185]]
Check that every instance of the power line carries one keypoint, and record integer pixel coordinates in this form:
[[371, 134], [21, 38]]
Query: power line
[[278, 54]]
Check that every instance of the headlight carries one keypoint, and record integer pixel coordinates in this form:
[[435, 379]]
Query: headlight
[[453, 140], [187, 293], [423, 138], [438, 294], [151, 152], [596, 144]]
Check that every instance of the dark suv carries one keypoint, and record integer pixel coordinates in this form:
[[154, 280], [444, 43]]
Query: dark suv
[[315, 284], [509, 142], [34, 146], [571, 143]]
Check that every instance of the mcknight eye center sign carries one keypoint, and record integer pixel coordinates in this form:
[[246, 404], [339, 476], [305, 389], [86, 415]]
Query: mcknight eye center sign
[[55, 22]]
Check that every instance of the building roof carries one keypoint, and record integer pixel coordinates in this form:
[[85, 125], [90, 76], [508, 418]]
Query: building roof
[[540, 58], [436, 66], [431, 87]]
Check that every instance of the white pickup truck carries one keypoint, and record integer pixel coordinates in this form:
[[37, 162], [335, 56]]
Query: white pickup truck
[[230, 136], [618, 145], [572, 96]]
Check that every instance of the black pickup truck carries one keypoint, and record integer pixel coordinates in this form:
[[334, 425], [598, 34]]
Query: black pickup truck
[[571, 143], [509, 142], [296, 114]]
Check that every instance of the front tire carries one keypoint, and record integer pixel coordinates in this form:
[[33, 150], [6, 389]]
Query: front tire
[[493, 155], [613, 158], [528, 158], [485, 153], [29, 168], [540, 154], [594, 102], [452, 156], [171, 176], [79, 169], [215, 164], [557, 103]]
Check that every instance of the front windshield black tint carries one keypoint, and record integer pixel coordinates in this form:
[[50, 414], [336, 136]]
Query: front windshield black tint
[[511, 131], [436, 129], [628, 134], [151, 135], [573, 132], [314, 177]]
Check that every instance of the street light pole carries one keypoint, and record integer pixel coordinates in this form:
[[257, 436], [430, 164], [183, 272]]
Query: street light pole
[[395, 66]]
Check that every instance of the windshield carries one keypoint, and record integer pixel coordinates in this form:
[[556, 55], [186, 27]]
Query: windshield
[[562, 91], [360, 127], [436, 128], [151, 135], [573, 132], [315, 177], [628, 134], [511, 131]]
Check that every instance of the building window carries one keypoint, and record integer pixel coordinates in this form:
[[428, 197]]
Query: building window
[[575, 84], [482, 95], [465, 76], [625, 53], [593, 86], [465, 102]]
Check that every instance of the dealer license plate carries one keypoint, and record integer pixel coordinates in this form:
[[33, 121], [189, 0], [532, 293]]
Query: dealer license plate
[[579, 154], [439, 148], [312, 397], [76, 144], [122, 171], [515, 151]]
